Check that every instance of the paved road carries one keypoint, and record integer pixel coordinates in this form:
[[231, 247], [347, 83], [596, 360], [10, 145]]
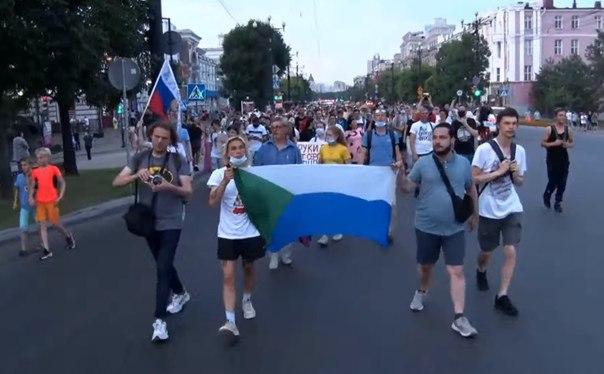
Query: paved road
[[339, 310]]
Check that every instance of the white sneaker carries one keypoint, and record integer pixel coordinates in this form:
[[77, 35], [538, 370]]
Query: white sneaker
[[338, 237], [230, 332], [160, 331], [286, 255], [248, 309], [323, 241], [178, 302], [417, 304], [274, 261]]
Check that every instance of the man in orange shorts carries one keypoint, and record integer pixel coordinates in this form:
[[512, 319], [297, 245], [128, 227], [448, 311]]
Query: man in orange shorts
[[48, 188]]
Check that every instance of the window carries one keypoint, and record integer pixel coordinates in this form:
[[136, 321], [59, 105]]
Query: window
[[598, 23], [498, 75], [528, 21], [574, 47], [558, 22], [528, 47], [498, 49], [528, 72], [557, 47], [574, 22]]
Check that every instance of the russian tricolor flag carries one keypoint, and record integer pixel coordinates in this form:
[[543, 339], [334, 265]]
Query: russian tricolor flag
[[165, 96]]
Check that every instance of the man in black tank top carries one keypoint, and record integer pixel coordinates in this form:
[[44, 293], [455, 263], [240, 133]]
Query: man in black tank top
[[557, 140]]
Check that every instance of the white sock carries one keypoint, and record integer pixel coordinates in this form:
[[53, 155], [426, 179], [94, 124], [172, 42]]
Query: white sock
[[230, 316], [247, 296]]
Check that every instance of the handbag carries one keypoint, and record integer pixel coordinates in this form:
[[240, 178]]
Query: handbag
[[463, 208], [140, 218]]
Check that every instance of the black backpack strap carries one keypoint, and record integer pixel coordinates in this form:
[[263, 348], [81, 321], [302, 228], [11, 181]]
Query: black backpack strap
[[498, 150], [391, 133], [501, 157], [369, 138], [444, 177], [512, 152]]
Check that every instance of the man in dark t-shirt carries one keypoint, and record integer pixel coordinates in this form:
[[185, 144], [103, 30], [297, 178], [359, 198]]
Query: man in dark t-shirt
[[466, 132]]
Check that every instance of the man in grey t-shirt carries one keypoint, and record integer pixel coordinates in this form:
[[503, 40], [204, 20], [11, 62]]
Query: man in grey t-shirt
[[435, 223], [167, 176]]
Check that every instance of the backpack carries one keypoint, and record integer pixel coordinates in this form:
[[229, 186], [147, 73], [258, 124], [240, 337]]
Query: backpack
[[501, 157], [392, 141]]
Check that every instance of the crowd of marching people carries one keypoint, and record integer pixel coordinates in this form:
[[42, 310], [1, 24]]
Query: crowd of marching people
[[461, 163]]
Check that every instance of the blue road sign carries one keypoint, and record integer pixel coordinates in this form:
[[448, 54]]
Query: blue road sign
[[503, 93], [196, 92]]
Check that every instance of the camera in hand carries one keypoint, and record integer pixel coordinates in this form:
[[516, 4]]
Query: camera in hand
[[156, 179]]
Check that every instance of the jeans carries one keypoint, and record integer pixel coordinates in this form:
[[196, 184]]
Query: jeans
[[557, 176], [163, 248]]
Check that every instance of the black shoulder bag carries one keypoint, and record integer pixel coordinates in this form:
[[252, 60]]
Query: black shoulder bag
[[140, 218], [463, 208]]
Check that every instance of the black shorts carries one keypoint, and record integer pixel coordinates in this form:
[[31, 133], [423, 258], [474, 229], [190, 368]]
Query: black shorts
[[429, 246], [250, 249], [490, 231]]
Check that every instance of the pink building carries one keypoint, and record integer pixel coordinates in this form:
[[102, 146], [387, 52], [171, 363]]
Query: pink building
[[525, 36]]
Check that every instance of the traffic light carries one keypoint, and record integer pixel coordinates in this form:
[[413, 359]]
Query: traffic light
[[478, 92], [120, 108]]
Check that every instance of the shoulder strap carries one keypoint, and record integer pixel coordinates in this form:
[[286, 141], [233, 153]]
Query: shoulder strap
[[391, 133], [512, 152], [444, 177], [497, 150], [369, 138], [554, 132]]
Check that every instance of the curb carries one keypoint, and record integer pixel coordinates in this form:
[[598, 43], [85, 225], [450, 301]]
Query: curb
[[96, 211]]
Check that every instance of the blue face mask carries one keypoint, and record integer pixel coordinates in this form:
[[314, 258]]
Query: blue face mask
[[380, 123], [238, 162]]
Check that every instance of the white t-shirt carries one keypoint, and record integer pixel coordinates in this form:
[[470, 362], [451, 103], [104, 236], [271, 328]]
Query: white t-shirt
[[218, 141], [260, 132], [234, 222], [423, 137], [499, 199]]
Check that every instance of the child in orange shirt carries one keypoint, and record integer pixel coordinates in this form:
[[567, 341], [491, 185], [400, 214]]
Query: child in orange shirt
[[48, 188]]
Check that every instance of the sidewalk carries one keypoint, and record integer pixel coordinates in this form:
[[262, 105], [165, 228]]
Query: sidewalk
[[107, 152], [101, 210]]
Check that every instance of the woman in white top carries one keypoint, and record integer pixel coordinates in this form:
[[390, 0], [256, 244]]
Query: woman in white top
[[237, 235]]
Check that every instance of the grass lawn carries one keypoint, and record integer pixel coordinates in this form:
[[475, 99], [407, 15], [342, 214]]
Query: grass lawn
[[91, 187]]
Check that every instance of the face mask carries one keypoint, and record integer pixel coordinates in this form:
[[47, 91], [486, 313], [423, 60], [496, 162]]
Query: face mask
[[237, 162], [380, 123], [320, 133], [330, 140]]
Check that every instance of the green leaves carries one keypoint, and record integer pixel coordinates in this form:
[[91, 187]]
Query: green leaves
[[249, 53]]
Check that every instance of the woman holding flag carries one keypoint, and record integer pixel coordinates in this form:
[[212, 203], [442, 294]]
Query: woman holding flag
[[334, 152], [237, 236]]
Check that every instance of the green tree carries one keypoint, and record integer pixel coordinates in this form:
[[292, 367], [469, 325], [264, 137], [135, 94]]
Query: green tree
[[595, 57], [22, 79], [249, 53], [457, 63], [567, 84], [78, 38], [412, 78], [300, 89]]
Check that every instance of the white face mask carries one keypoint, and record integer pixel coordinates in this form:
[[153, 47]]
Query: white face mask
[[238, 162], [330, 140], [380, 123]]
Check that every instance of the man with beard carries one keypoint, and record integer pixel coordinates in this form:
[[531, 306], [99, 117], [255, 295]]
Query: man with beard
[[436, 227]]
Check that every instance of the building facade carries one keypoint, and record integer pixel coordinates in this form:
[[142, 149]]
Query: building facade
[[524, 37]]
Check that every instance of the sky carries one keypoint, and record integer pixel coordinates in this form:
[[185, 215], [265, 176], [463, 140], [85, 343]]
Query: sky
[[333, 38]]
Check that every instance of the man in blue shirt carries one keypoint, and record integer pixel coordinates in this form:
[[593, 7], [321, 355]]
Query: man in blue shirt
[[436, 227], [279, 151]]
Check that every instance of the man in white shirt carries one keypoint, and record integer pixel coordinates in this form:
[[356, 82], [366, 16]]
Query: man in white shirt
[[499, 166], [421, 135], [256, 134]]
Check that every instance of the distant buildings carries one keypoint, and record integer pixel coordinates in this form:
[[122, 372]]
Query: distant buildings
[[524, 37]]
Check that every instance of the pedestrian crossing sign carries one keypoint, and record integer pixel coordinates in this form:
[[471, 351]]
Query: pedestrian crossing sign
[[196, 92]]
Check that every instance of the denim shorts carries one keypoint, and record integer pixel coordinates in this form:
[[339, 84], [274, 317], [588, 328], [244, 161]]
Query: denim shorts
[[430, 245], [491, 231], [25, 217]]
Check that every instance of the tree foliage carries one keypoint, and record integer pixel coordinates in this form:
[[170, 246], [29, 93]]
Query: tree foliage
[[567, 83], [595, 57], [246, 63], [457, 63], [299, 87]]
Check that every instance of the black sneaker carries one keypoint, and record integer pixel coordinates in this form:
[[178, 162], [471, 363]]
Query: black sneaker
[[70, 240], [504, 304], [558, 207], [481, 280], [547, 200], [46, 255]]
